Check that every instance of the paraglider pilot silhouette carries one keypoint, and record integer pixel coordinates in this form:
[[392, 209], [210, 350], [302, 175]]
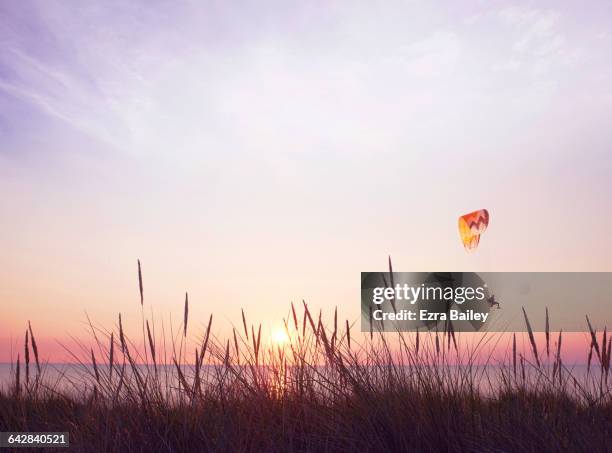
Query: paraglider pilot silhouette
[[492, 301]]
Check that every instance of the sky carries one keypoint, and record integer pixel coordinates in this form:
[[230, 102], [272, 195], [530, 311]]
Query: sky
[[258, 153]]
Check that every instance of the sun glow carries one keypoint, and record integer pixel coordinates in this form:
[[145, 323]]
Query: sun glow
[[279, 336]]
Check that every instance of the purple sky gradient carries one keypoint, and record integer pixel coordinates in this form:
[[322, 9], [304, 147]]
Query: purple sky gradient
[[269, 152]]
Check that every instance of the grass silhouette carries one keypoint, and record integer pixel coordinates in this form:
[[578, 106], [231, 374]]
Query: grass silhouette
[[325, 389]]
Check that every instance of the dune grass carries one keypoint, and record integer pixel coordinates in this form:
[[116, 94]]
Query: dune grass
[[328, 388]]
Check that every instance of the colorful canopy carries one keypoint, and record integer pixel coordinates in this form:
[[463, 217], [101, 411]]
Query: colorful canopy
[[471, 226]]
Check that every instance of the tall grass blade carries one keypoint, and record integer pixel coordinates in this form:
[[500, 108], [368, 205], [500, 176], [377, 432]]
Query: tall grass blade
[[391, 279], [95, 366], [17, 376], [27, 359], [348, 334], [604, 344], [34, 348], [186, 315], [531, 338], [295, 319], [205, 341], [111, 358], [514, 353], [140, 284], [151, 344], [547, 330], [593, 338], [244, 323], [121, 336]]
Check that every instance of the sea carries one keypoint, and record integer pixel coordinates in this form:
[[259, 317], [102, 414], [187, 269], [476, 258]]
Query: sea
[[71, 378]]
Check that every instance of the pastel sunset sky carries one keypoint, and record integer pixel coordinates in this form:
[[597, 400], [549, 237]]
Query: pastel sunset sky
[[258, 153]]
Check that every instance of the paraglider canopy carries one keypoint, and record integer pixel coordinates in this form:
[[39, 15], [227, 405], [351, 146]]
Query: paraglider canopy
[[471, 226]]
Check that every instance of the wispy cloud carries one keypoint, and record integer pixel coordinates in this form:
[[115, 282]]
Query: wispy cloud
[[59, 94], [537, 37]]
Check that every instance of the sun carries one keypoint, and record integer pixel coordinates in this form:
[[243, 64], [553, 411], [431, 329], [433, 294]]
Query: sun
[[279, 336]]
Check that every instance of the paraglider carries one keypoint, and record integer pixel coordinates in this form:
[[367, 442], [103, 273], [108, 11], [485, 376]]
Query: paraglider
[[471, 226]]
